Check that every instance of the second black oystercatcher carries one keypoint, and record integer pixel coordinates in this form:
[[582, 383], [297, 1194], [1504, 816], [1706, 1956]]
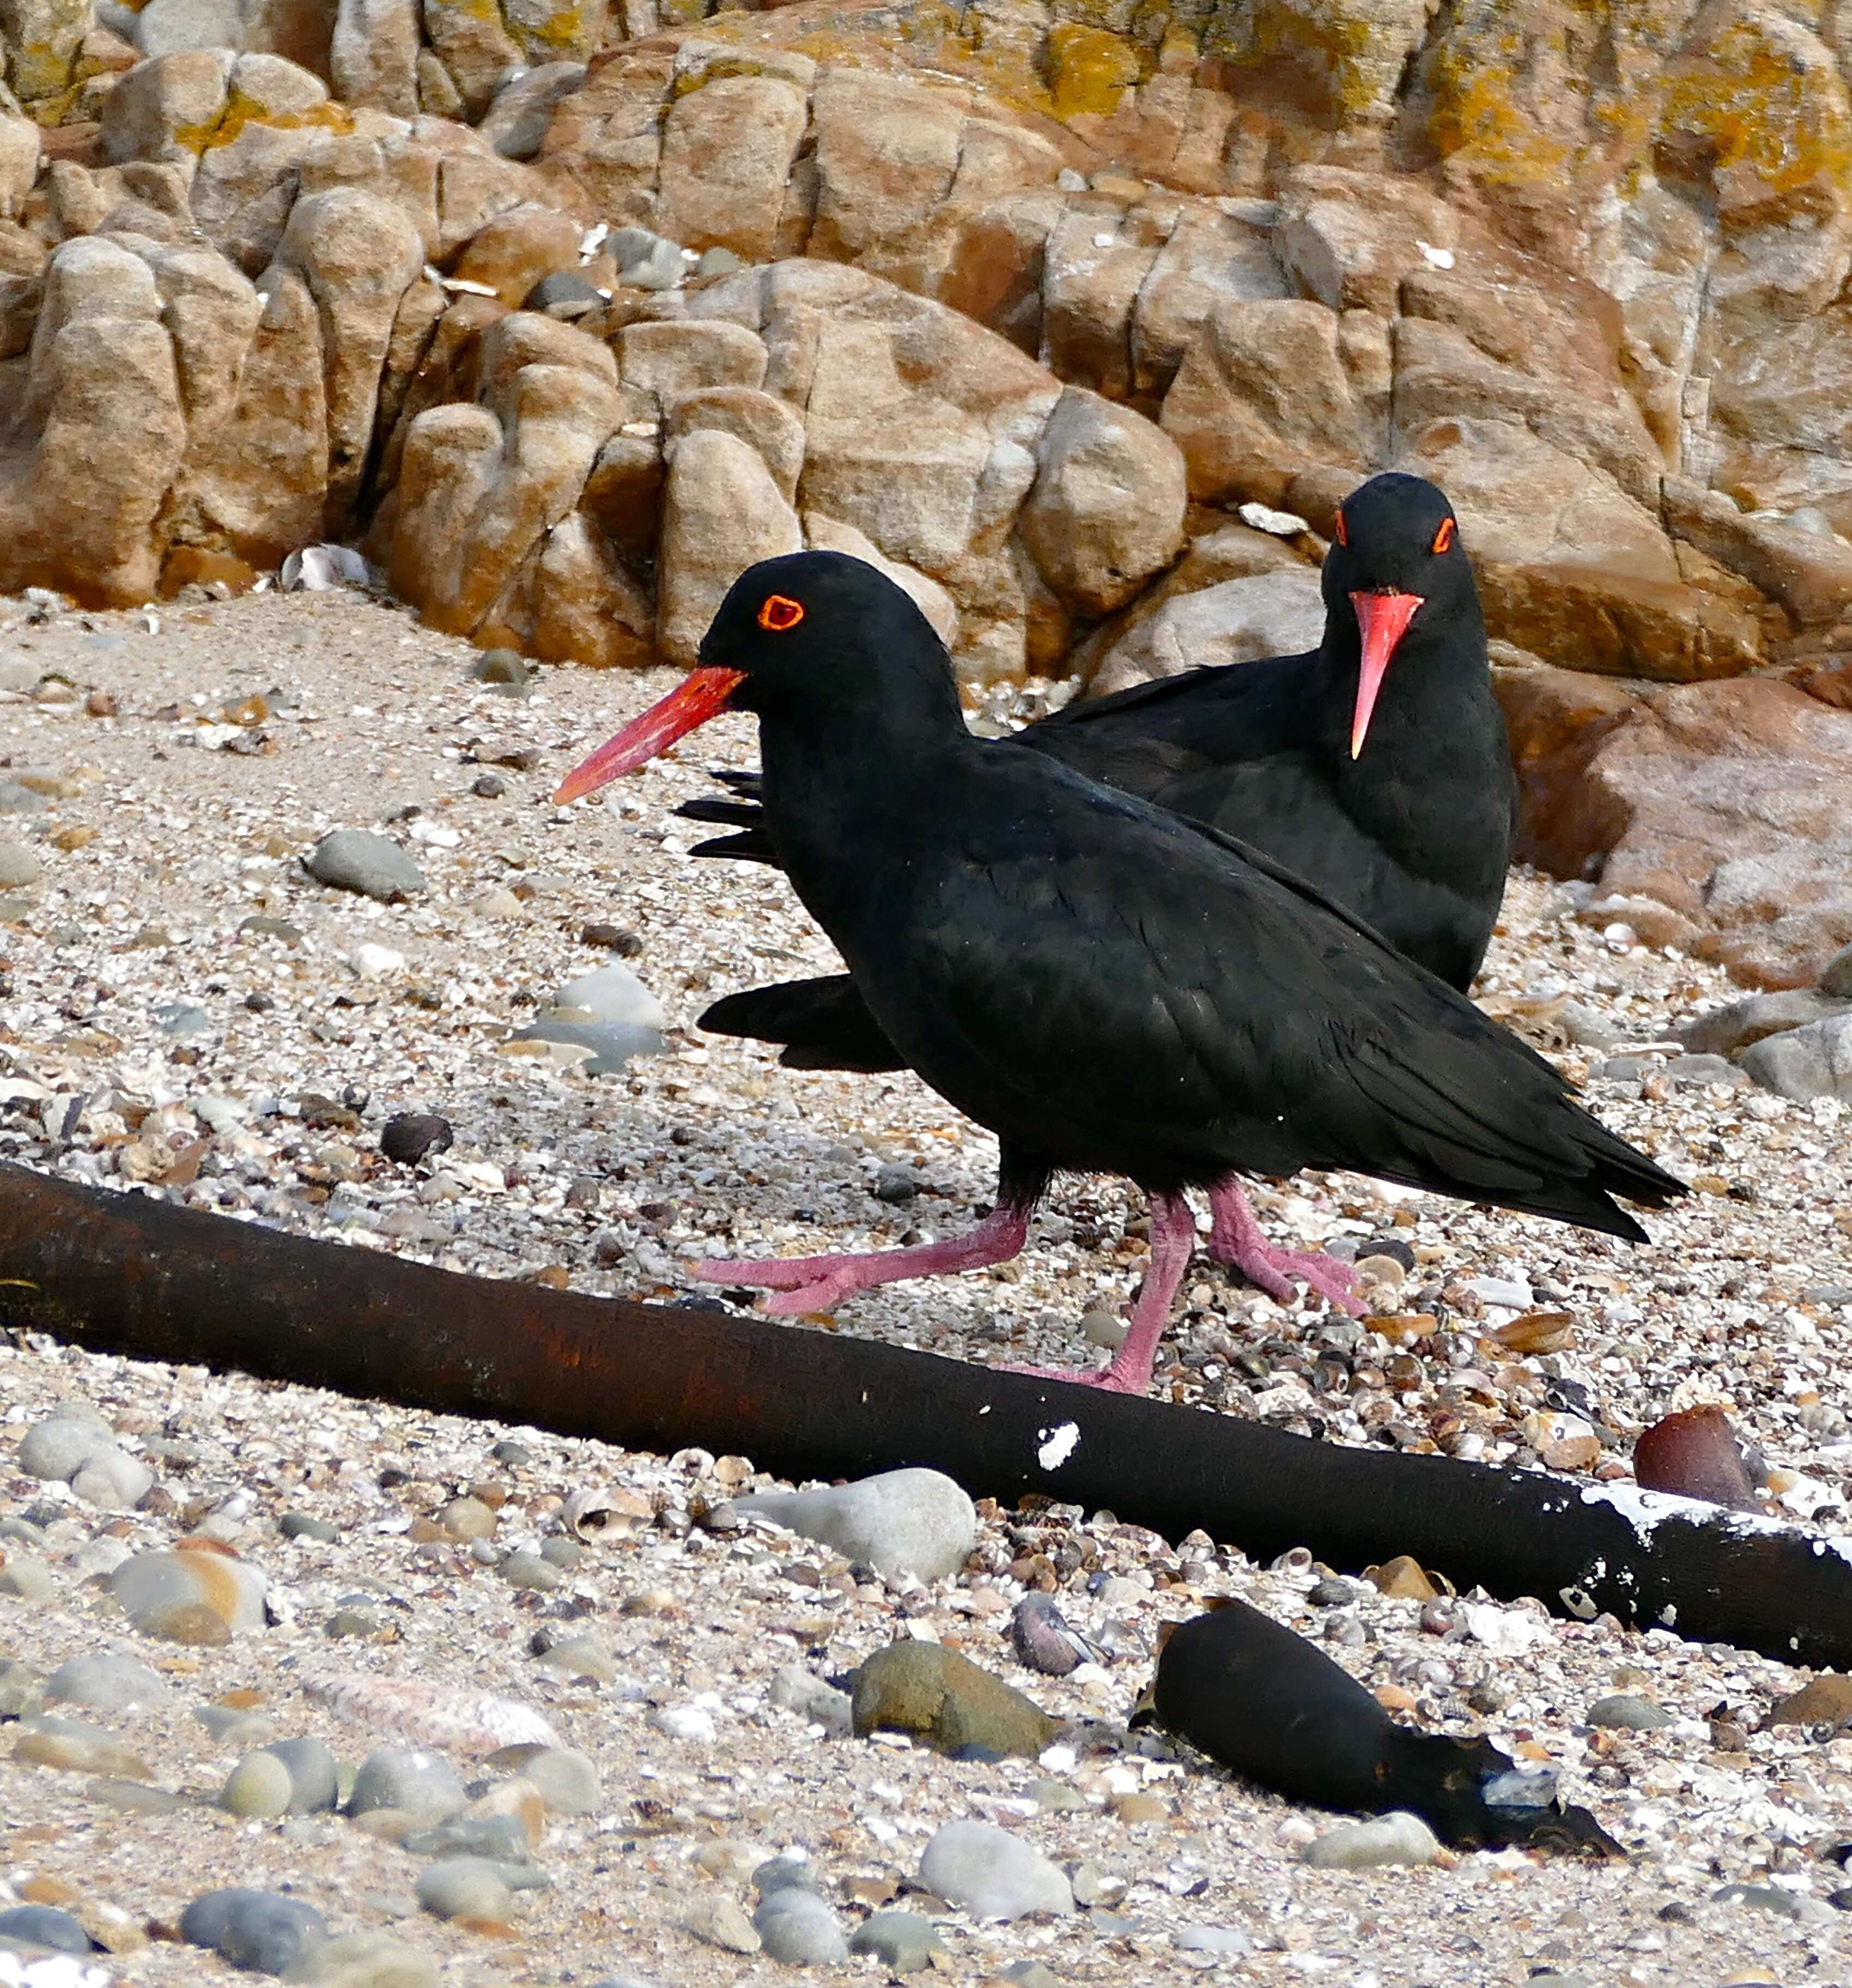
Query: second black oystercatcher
[[1107, 988]]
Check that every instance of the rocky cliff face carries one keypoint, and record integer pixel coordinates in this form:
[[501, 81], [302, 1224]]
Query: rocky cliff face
[[567, 311]]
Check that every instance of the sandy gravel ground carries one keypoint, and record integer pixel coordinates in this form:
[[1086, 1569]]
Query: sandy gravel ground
[[147, 1039]]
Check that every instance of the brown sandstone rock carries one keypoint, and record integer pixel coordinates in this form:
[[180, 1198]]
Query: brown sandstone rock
[[765, 424], [1572, 569], [721, 512], [95, 441], [373, 57], [588, 608], [1106, 510], [1262, 394], [831, 534], [1729, 802], [357, 254], [727, 154], [517, 248]]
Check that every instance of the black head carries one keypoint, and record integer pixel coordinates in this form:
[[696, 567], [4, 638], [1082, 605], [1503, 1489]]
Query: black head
[[817, 632], [810, 640], [1396, 534], [1396, 568]]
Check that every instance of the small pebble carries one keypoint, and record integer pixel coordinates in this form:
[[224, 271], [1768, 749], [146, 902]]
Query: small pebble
[[795, 1926], [1397, 1838], [503, 1839], [107, 1684], [525, 1569], [914, 1521], [45, 1925], [262, 1932], [419, 1783], [305, 1525], [58, 1447], [569, 1780], [73, 1747], [27, 1579], [813, 1698], [718, 1920], [168, 1585], [994, 1874], [409, 1136], [465, 1887], [1623, 1712], [903, 1942], [1032, 1974], [1104, 1329], [356, 859], [368, 1960]]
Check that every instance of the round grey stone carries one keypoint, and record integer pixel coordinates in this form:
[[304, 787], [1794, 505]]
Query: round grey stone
[[314, 1774], [45, 1925], [263, 1933], [1397, 1838], [569, 1780], [305, 1525], [1625, 1713], [458, 1887], [915, 1521], [994, 1874], [812, 1699], [402, 1777], [56, 1449], [18, 866], [259, 1786], [356, 859], [501, 1838], [525, 1569], [103, 1683], [112, 1480], [903, 1942], [800, 1930]]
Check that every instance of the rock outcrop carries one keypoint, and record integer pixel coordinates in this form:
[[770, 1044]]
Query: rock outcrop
[[1033, 300]]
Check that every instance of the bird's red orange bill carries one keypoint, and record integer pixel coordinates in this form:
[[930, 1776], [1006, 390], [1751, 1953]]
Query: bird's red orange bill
[[702, 694]]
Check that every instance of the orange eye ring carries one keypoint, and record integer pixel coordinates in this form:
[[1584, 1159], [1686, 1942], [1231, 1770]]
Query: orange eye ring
[[1443, 537], [1341, 531], [779, 613]]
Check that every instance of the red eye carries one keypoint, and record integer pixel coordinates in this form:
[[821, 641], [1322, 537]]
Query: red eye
[[1343, 531], [1443, 537], [779, 613]]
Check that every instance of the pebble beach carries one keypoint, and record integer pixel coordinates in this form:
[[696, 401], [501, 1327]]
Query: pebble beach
[[634, 1716]]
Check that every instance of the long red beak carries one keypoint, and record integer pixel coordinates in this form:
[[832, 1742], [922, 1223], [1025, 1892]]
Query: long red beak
[[1383, 619], [702, 694]]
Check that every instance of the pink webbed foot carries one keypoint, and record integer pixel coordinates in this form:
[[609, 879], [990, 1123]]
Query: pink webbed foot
[[800, 1284], [1236, 1239], [1128, 1371]]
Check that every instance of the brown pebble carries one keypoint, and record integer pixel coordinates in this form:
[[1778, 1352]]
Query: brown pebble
[[189, 1622], [1401, 1579], [1826, 1701], [1139, 1808], [1694, 1454], [1537, 1332], [467, 1519]]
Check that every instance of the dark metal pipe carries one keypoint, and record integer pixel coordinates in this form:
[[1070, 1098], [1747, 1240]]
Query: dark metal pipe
[[127, 1274]]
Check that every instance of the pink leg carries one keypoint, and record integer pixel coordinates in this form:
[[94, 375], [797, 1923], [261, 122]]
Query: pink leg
[[1236, 1239], [815, 1283], [1129, 1371]]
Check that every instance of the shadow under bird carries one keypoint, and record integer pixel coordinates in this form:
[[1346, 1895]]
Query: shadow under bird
[[1376, 766], [1107, 987]]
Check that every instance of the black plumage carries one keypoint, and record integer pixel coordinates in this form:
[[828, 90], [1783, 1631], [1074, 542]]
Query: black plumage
[[1413, 833], [1106, 987]]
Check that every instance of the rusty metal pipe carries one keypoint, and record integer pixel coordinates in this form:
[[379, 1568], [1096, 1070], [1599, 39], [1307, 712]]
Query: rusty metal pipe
[[125, 1273]]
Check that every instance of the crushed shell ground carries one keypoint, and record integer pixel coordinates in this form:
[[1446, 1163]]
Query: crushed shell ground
[[244, 730]]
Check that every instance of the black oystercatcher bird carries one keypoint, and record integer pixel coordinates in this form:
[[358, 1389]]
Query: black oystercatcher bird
[[1107, 987], [1414, 833]]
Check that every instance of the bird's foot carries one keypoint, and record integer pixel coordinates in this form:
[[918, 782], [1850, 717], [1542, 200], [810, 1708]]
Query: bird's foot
[[799, 1284], [795, 1285], [1117, 1376], [1236, 1240]]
